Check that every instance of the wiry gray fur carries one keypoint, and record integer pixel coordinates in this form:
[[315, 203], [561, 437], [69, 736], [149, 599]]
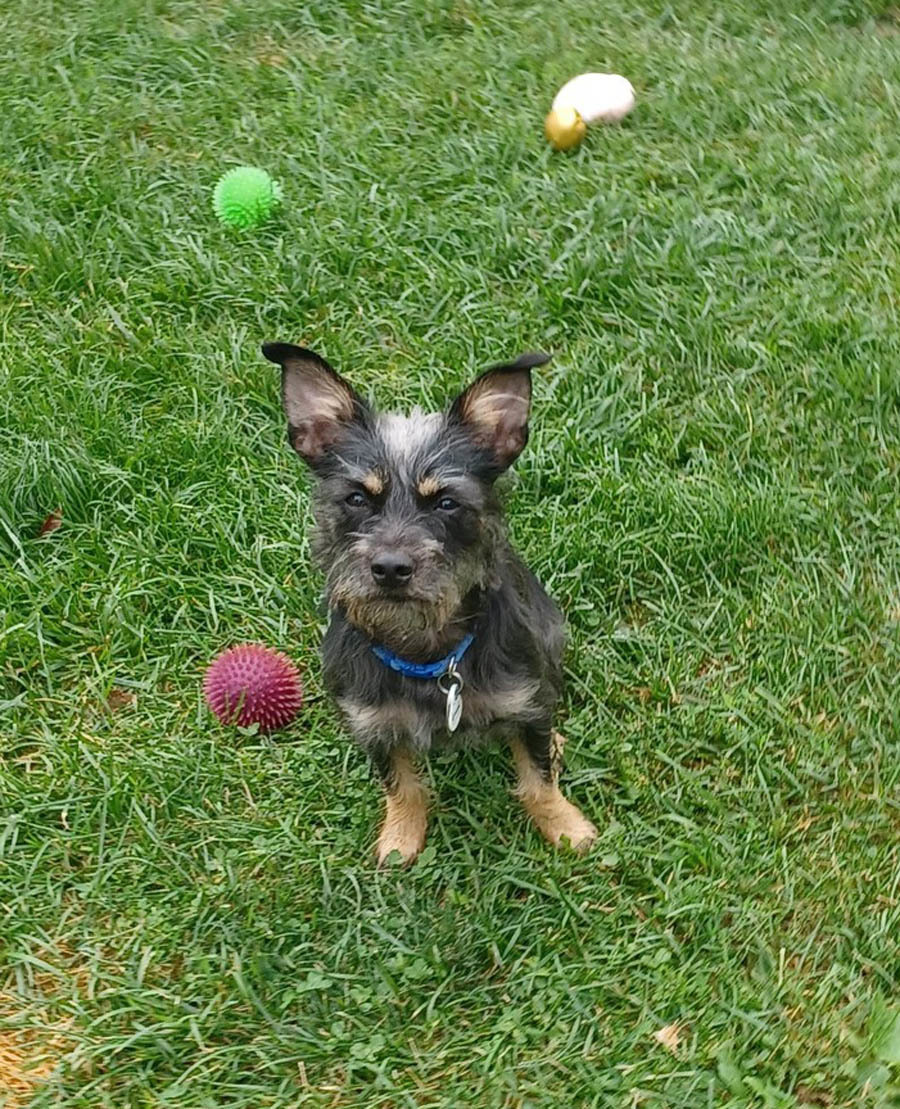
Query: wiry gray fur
[[416, 493]]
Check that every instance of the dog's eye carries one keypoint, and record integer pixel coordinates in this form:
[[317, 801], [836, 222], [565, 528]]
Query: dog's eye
[[356, 499], [447, 504]]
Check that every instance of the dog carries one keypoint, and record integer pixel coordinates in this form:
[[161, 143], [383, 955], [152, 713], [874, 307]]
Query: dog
[[438, 631]]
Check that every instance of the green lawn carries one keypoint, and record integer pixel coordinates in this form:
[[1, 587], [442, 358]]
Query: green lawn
[[190, 917]]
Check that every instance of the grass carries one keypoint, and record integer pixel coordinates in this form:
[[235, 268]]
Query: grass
[[190, 917]]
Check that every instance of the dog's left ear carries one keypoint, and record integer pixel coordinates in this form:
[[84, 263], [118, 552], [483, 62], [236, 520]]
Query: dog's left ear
[[494, 409]]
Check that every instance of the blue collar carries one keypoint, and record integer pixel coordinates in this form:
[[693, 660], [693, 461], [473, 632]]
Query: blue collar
[[424, 669]]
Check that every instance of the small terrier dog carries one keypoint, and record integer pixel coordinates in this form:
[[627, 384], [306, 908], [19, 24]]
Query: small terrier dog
[[438, 630]]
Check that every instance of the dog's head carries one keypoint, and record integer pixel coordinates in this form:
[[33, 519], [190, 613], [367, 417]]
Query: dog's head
[[407, 521]]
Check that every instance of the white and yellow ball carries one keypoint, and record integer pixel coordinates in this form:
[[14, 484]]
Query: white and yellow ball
[[586, 99]]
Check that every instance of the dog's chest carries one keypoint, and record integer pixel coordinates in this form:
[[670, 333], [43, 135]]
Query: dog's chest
[[423, 725]]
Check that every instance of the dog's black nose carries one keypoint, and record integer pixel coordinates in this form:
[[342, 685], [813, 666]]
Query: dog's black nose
[[391, 568]]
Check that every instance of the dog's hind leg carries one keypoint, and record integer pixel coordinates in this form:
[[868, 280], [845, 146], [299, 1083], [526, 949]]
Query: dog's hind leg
[[537, 756], [406, 811]]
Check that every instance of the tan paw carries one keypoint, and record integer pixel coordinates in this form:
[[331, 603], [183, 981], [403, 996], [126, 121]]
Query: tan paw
[[405, 836], [571, 824], [560, 821]]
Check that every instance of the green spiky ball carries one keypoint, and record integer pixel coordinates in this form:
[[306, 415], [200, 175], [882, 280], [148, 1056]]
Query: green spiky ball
[[245, 197]]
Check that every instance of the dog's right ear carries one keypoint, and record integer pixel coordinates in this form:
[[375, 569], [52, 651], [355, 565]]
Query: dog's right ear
[[318, 403]]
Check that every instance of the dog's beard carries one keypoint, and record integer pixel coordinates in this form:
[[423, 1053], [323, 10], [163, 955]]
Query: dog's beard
[[422, 621], [409, 625]]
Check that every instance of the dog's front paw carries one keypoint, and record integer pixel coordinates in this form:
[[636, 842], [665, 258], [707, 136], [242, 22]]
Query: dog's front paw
[[403, 833], [560, 821], [570, 824]]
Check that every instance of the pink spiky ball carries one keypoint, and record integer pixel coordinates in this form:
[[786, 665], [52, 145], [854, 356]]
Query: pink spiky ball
[[252, 684]]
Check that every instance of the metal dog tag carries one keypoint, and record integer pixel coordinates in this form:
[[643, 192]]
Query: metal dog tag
[[454, 704], [452, 690]]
